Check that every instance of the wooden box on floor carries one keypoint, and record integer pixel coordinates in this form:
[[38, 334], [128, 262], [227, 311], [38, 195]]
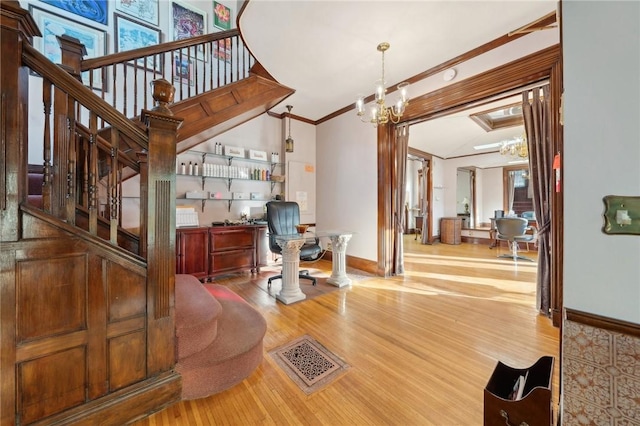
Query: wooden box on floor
[[451, 230], [533, 409]]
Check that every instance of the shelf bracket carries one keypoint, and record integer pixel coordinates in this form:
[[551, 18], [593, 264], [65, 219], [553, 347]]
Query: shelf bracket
[[229, 180], [229, 205], [202, 208]]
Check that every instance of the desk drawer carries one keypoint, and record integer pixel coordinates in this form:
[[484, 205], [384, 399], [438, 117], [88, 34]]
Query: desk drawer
[[227, 239], [231, 260]]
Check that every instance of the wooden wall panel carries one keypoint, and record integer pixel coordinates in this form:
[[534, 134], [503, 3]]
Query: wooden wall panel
[[44, 287], [127, 363], [126, 293], [51, 384]]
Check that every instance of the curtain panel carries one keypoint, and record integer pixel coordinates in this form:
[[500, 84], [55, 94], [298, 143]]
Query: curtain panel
[[536, 111], [402, 150]]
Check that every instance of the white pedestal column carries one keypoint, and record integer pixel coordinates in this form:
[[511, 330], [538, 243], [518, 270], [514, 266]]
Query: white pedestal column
[[339, 276], [290, 291]]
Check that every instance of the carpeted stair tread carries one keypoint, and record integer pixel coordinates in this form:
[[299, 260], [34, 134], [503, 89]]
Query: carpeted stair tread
[[197, 313], [233, 356]]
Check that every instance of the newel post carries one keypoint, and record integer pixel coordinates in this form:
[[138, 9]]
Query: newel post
[[16, 27], [64, 179], [162, 129]]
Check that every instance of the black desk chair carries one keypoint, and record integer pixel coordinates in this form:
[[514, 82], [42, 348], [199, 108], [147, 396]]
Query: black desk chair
[[514, 230], [282, 218]]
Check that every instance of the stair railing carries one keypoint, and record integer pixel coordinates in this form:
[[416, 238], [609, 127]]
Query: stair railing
[[195, 66], [82, 169]]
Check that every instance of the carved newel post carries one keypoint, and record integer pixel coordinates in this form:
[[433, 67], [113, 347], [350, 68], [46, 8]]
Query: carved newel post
[[163, 93], [162, 129]]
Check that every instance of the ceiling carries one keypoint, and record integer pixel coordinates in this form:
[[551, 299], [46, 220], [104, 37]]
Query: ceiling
[[326, 51]]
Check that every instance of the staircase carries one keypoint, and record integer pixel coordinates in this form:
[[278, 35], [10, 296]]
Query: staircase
[[97, 329], [219, 337]]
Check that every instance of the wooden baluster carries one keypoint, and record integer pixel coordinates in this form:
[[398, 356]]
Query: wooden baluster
[[135, 84], [125, 92], [113, 199], [46, 170], [93, 173], [120, 168]]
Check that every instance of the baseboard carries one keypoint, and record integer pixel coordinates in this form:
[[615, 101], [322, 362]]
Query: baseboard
[[365, 265], [125, 406]]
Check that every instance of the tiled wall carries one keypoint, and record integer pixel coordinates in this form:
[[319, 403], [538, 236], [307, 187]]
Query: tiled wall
[[600, 372]]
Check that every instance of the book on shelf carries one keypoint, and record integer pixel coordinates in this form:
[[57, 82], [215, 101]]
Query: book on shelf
[[518, 387]]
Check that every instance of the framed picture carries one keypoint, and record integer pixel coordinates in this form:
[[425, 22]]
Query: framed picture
[[183, 70], [134, 35], [53, 25], [222, 50], [145, 10], [95, 10], [188, 22], [221, 16]]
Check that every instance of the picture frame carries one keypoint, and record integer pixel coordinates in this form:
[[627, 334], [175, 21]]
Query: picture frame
[[144, 10], [94, 10], [187, 22], [130, 34], [52, 25], [183, 70], [221, 16], [222, 50]]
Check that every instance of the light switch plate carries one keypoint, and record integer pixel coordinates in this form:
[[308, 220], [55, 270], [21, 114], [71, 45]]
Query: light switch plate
[[621, 215]]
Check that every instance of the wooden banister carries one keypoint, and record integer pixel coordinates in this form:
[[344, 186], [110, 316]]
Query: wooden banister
[[40, 64]]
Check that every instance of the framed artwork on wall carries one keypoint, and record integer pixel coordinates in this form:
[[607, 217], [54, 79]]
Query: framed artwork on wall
[[131, 35], [95, 10], [188, 22], [53, 25], [183, 70], [145, 10], [221, 16], [222, 50]]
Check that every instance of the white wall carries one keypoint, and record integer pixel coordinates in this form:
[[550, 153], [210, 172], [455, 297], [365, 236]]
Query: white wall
[[301, 186], [347, 190], [445, 189], [602, 154], [492, 189]]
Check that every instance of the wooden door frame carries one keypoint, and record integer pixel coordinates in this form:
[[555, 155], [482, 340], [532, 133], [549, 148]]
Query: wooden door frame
[[544, 65]]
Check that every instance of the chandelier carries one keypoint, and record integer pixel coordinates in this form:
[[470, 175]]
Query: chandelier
[[379, 112], [516, 147]]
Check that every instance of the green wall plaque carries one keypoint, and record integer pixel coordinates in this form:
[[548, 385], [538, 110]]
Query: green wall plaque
[[621, 215]]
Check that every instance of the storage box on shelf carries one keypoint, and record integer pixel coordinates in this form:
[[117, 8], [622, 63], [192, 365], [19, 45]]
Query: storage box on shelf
[[230, 168]]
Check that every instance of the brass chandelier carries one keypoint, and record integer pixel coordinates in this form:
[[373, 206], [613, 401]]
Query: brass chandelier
[[516, 147], [379, 112]]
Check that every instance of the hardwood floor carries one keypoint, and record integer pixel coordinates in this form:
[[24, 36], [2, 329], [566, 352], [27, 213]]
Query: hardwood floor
[[421, 347]]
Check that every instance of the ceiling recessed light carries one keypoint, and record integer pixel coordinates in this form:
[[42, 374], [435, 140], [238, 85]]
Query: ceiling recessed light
[[488, 146]]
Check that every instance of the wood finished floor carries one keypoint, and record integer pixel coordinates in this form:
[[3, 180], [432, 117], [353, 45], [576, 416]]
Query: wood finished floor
[[421, 347]]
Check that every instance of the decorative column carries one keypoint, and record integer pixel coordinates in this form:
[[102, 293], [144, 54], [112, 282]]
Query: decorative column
[[290, 292], [339, 276]]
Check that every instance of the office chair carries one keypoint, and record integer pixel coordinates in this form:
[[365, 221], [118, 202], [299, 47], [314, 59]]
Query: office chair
[[513, 230], [282, 218]]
